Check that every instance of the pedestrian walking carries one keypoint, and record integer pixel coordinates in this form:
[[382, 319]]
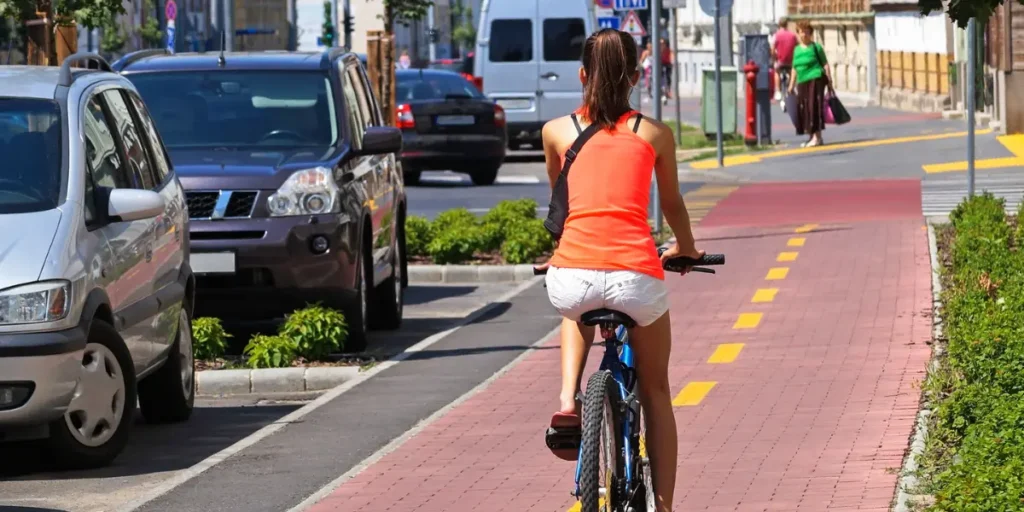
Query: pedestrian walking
[[666, 69], [647, 58], [813, 77], [404, 61]]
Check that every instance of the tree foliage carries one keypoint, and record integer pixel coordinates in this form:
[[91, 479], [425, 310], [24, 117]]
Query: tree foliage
[[149, 32], [90, 13], [961, 11], [464, 33]]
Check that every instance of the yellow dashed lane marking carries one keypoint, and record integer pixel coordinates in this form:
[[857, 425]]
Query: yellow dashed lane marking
[[579, 506], [777, 273], [796, 242], [726, 353], [787, 256], [748, 321], [806, 228], [764, 295], [693, 394]]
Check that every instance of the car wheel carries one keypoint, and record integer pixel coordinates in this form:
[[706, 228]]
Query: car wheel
[[411, 177], [388, 298], [359, 313], [485, 176], [94, 429], [514, 145], [168, 395]]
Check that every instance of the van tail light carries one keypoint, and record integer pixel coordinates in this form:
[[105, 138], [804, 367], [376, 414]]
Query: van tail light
[[405, 120], [499, 115], [478, 81]]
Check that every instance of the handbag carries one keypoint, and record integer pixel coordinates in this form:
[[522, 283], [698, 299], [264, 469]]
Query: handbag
[[835, 112], [558, 209]]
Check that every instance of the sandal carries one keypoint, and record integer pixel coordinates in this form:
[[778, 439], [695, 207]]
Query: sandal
[[563, 436]]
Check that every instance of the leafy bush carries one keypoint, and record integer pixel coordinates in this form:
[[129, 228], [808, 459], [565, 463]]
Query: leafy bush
[[456, 245], [454, 219], [526, 241], [316, 331], [209, 339], [500, 221], [417, 235], [270, 352]]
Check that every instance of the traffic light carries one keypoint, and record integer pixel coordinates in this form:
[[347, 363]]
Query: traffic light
[[328, 37], [348, 24]]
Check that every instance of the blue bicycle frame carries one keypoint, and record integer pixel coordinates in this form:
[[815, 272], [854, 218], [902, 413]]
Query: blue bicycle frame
[[620, 364]]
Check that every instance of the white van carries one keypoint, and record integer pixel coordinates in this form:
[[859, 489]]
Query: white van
[[528, 58]]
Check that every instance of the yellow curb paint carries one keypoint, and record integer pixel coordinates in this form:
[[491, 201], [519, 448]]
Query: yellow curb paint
[[748, 321], [777, 273], [693, 394], [726, 353], [764, 295], [988, 163], [806, 228], [796, 242], [579, 506], [787, 256], [749, 159], [1013, 143]]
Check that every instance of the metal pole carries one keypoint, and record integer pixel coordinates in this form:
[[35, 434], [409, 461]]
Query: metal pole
[[672, 23], [348, 33], [430, 30], [972, 64], [718, 80], [334, 21], [292, 28], [229, 25], [655, 33]]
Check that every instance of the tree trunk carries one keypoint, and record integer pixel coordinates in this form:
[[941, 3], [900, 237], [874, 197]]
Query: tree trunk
[[389, 19], [66, 42]]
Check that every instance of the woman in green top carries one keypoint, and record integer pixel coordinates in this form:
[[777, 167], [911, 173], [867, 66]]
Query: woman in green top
[[812, 78]]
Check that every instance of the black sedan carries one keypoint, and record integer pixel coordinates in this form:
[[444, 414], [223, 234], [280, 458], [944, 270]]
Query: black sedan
[[448, 124]]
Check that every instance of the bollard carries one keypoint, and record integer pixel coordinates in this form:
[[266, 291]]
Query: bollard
[[751, 70]]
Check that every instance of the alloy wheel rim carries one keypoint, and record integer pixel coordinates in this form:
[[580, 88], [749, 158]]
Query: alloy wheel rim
[[96, 409], [398, 276], [186, 355]]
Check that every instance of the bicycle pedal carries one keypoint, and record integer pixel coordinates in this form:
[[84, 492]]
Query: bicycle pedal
[[563, 438]]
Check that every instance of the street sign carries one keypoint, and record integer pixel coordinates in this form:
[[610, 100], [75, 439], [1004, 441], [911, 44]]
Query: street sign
[[604, 13], [170, 36], [708, 6], [632, 26], [628, 5], [673, 4], [612, 22], [604, 4], [171, 10]]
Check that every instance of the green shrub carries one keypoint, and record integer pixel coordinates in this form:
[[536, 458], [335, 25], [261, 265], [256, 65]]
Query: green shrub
[[456, 245], [499, 221], [454, 219], [526, 241], [417, 235], [209, 339], [316, 331], [269, 352]]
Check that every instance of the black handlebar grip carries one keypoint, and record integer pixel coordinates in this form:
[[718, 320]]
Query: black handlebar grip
[[682, 261]]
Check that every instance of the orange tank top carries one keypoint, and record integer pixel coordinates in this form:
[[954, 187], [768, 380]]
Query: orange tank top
[[609, 192]]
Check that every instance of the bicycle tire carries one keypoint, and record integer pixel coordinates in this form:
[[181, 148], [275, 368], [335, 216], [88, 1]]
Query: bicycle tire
[[602, 438], [646, 480]]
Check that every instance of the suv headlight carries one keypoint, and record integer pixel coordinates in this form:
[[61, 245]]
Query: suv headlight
[[35, 303], [307, 192]]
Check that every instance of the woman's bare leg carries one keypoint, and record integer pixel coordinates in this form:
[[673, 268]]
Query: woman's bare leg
[[576, 341], [652, 345]]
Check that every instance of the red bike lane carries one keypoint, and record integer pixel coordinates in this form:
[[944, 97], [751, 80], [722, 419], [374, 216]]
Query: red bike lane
[[796, 369]]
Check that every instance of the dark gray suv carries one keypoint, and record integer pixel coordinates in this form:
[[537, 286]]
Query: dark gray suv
[[294, 190]]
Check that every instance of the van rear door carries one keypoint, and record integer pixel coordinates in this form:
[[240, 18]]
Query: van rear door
[[564, 29], [508, 58]]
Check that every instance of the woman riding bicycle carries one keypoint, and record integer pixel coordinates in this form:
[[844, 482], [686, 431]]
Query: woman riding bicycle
[[606, 257]]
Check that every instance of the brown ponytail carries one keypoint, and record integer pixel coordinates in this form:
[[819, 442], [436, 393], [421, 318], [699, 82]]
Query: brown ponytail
[[609, 61]]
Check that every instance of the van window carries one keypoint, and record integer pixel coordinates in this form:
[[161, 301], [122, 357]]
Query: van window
[[563, 39], [511, 41]]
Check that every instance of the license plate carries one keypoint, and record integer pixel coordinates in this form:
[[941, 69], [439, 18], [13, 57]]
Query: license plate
[[455, 120], [514, 104], [213, 262]]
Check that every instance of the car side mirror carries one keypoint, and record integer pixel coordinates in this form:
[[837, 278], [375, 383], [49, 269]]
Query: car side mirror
[[379, 140], [127, 204]]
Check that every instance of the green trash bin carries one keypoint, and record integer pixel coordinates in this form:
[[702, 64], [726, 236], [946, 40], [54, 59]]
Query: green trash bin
[[708, 114]]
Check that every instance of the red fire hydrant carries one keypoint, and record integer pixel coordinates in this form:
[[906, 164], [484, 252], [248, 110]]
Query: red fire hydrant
[[751, 70]]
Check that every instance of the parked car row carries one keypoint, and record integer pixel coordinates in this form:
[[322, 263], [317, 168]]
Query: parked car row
[[134, 195]]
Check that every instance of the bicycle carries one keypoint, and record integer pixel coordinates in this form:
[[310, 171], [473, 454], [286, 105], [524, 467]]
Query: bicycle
[[611, 417]]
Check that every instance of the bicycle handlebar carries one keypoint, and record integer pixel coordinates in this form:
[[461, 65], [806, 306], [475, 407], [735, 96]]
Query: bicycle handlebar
[[677, 264]]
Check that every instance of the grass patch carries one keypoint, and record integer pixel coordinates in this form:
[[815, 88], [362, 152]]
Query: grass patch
[[694, 138]]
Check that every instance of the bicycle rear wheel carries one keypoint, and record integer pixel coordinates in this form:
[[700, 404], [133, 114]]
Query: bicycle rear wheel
[[601, 461]]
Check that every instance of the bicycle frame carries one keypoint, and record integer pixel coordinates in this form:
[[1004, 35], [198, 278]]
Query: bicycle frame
[[620, 364]]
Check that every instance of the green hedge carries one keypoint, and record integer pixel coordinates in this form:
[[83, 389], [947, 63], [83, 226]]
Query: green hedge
[[510, 229], [974, 455]]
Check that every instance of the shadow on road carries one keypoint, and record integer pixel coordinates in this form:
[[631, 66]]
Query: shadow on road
[[151, 448], [5, 508], [524, 157], [419, 294], [763, 235]]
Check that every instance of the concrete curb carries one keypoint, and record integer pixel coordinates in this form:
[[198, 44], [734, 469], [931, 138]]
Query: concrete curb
[[272, 380], [906, 498], [447, 274]]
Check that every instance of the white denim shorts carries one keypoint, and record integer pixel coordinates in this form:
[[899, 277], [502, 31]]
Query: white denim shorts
[[575, 291]]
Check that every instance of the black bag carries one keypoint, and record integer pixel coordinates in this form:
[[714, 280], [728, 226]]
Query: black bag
[[839, 113], [558, 209]]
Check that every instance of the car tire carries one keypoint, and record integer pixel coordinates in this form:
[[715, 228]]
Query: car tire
[[485, 176], [169, 395], [412, 177], [358, 316], [514, 145], [388, 298], [107, 368]]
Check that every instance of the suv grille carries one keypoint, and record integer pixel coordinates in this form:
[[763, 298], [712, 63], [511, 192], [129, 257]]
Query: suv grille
[[225, 204]]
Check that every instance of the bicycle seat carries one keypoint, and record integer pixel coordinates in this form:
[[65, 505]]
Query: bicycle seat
[[607, 316]]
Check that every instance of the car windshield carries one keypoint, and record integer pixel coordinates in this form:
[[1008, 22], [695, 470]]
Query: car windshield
[[30, 137], [434, 86], [239, 109]]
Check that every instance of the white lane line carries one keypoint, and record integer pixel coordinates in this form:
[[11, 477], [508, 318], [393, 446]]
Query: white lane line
[[462, 179], [211, 461], [399, 441]]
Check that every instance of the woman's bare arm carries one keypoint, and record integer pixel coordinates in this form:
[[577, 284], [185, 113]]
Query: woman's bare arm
[[550, 137]]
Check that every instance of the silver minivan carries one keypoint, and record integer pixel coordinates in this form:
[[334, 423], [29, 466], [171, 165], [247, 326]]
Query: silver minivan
[[528, 57], [95, 286]]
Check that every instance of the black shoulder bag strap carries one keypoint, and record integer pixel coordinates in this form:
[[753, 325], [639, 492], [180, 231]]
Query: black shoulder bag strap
[[558, 209]]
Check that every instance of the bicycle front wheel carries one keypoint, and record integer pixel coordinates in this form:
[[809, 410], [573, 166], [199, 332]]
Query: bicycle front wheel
[[601, 460]]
